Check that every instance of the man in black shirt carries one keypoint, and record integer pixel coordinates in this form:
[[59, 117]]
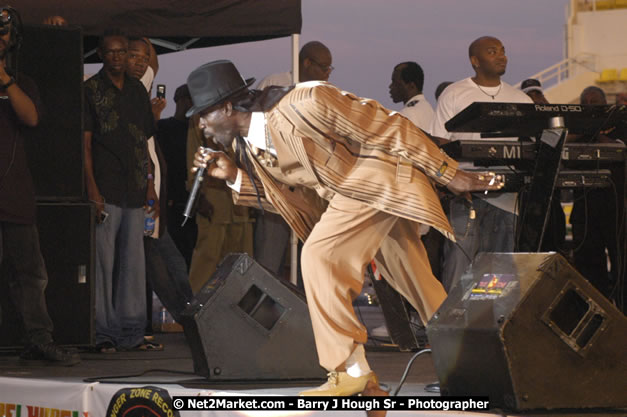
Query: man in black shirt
[[20, 255], [594, 217], [119, 179], [172, 138]]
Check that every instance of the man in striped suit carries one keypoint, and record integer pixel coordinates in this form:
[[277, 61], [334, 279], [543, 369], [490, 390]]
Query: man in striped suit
[[307, 145]]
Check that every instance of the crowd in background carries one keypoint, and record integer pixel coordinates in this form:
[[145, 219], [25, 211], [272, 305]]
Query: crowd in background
[[222, 227]]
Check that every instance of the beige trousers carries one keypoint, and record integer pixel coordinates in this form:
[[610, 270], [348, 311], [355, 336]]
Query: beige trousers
[[347, 237]]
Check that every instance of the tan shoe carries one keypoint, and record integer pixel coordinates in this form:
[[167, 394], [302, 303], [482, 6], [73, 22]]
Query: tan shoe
[[341, 384]]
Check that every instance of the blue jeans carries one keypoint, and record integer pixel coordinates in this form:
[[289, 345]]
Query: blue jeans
[[120, 277], [166, 271], [21, 259], [492, 230]]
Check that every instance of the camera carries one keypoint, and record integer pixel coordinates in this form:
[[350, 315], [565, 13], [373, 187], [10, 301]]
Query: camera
[[6, 17], [10, 21], [160, 91], [5, 22]]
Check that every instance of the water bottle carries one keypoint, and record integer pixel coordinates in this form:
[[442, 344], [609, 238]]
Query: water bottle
[[149, 221]]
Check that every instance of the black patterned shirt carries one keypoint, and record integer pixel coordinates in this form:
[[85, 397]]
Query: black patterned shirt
[[120, 121]]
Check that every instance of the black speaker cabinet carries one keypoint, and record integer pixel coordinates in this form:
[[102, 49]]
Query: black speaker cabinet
[[66, 237], [531, 333], [53, 57], [396, 314], [245, 324]]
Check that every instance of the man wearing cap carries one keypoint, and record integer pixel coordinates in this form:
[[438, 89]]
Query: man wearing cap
[[533, 89], [375, 169], [596, 234]]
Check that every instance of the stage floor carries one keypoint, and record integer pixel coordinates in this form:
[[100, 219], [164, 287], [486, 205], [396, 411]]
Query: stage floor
[[388, 363], [76, 392]]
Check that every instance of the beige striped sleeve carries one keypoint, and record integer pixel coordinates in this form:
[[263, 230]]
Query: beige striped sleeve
[[328, 113], [248, 197]]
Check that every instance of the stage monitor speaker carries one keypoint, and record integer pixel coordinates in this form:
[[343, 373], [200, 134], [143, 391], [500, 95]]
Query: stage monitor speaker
[[396, 315], [245, 324], [527, 330], [66, 237], [53, 57]]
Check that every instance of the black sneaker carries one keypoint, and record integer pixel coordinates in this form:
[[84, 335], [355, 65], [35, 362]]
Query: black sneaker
[[51, 353], [433, 388]]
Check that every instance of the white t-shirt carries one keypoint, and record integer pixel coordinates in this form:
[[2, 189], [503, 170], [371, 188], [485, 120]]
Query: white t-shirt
[[419, 111], [455, 98], [459, 95], [282, 79]]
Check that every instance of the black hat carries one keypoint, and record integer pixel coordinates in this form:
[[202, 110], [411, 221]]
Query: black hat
[[530, 84], [214, 82]]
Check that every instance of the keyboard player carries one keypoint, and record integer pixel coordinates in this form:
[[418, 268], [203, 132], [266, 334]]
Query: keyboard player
[[482, 223]]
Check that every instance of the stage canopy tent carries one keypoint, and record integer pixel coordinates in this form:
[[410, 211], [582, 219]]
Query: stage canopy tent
[[172, 25]]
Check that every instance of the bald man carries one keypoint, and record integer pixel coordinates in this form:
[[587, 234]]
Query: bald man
[[272, 234], [314, 64], [493, 214]]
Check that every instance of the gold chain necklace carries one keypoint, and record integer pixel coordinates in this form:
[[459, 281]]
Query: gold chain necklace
[[490, 95]]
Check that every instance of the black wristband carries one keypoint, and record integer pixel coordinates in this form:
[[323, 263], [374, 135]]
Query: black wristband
[[9, 84]]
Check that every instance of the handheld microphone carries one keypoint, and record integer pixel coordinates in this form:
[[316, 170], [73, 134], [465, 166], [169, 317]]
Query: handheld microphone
[[187, 213]]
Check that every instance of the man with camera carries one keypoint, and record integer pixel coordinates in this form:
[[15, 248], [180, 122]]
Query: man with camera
[[20, 255]]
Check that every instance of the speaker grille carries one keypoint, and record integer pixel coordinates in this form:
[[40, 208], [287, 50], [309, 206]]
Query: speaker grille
[[575, 318], [261, 307]]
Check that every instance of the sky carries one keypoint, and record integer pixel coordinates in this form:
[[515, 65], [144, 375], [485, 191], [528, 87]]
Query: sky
[[368, 37]]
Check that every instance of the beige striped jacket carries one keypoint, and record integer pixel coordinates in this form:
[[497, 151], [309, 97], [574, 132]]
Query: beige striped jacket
[[330, 141]]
